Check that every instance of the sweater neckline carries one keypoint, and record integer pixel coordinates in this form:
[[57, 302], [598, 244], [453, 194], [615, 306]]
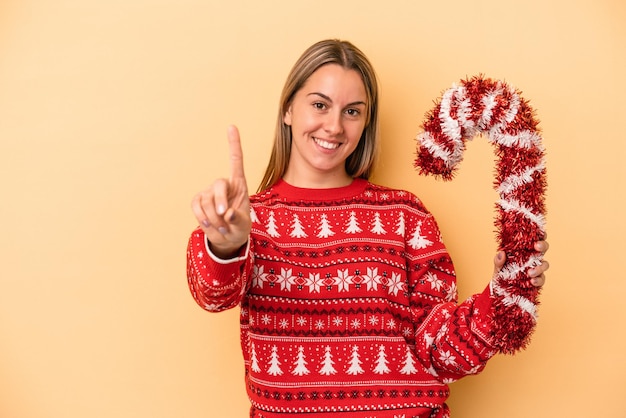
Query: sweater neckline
[[287, 190]]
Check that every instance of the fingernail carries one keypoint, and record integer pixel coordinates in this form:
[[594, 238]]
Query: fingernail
[[222, 230], [232, 217], [221, 209], [206, 223]]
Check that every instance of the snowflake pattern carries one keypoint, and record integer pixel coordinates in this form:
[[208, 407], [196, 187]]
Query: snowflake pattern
[[301, 321], [396, 284], [447, 358], [372, 279], [314, 282], [343, 280], [433, 279]]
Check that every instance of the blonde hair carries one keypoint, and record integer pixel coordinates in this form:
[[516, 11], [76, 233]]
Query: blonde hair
[[332, 51]]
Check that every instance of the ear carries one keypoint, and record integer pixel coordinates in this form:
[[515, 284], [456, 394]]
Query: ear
[[287, 116]]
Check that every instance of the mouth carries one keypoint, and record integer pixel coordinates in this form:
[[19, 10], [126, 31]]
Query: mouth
[[325, 144]]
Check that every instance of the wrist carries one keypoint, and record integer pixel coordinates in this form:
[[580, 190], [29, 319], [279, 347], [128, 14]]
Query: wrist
[[224, 252]]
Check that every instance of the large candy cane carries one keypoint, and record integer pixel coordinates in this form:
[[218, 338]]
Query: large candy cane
[[483, 106]]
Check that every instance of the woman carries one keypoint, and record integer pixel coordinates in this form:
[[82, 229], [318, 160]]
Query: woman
[[347, 293]]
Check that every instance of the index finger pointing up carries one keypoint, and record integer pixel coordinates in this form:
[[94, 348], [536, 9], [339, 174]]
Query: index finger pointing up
[[236, 154]]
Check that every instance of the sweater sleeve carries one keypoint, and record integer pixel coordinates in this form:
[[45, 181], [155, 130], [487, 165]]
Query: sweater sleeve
[[452, 340], [216, 284]]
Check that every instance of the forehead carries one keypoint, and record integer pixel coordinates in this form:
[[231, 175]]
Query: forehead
[[333, 79]]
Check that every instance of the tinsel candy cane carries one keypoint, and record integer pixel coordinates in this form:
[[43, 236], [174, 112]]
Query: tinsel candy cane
[[494, 109]]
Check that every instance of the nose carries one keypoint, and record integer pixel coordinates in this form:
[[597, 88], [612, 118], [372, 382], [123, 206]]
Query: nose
[[333, 125]]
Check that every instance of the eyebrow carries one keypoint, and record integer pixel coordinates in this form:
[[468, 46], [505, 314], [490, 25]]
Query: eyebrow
[[325, 97]]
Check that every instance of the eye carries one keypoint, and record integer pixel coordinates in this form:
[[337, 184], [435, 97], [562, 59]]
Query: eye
[[319, 105], [353, 112]]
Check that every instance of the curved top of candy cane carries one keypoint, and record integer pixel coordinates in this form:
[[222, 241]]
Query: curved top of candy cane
[[484, 106], [475, 106]]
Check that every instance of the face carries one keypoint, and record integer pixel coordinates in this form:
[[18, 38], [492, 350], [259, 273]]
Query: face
[[327, 117]]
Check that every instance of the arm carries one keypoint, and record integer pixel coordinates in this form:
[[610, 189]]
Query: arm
[[217, 254], [454, 340]]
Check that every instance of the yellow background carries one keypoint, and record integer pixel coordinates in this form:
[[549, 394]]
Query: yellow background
[[113, 115]]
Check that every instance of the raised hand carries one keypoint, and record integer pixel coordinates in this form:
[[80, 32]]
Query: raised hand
[[223, 210]]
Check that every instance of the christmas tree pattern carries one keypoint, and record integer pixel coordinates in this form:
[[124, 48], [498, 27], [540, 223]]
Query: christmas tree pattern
[[253, 216], [377, 225], [418, 241], [409, 363], [327, 364], [271, 226], [353, 225], [381, 361], [325, 230], [355, 362], [413, 230], [297, 231], [300, 363], [274, 368], [400, 224], [406, 364], [254, 362]]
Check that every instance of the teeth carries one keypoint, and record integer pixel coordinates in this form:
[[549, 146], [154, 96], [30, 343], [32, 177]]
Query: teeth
[[325, 144]]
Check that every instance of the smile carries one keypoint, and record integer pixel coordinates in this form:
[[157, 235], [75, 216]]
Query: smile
[[326, 144]]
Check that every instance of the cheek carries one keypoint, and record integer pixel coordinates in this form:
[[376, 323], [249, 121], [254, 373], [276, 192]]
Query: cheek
[[356, 130], [306, 121]]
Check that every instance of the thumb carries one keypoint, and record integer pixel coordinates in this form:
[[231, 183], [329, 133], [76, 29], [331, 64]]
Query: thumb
[[498, 261]]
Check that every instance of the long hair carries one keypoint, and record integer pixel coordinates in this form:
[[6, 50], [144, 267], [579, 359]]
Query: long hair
[[332, 51]]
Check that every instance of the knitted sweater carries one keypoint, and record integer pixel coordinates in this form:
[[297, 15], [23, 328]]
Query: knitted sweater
[[348, 304]]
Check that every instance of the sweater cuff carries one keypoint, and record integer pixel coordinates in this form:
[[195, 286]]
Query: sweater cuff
[[482, 314], [484, 300]]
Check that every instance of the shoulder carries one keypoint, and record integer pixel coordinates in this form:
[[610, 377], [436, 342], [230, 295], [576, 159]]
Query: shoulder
[[394, 196]]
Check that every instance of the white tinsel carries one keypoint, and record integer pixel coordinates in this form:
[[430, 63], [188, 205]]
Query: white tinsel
[[523, 139], [512, 205], [514, 181]]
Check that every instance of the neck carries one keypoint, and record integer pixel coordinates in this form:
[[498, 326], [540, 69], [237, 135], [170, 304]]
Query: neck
[[321, 181]]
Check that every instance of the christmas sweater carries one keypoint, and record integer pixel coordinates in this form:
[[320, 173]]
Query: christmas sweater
[[348, 304]]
